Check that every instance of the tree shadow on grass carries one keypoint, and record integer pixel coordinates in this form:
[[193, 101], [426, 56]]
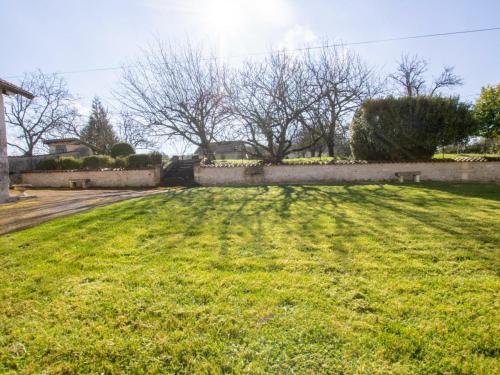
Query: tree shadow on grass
[[490, 191]]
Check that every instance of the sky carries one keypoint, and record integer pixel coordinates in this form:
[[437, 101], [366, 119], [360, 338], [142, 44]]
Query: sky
[[68, 36]]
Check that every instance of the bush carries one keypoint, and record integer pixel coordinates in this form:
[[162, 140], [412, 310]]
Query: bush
[[68, 163], [122, 149], [96, 162], [48, 165], [155, 158], [120, 163], [139, 161], [408, 128]]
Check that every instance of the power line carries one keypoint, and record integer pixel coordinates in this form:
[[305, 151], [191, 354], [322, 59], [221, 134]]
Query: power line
[[373, 41]]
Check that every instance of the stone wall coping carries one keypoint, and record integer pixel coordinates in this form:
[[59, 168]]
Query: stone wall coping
[[352, 162]]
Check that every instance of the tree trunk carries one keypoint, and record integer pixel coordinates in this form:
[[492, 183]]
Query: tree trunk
[[207, 152], [331, 148]]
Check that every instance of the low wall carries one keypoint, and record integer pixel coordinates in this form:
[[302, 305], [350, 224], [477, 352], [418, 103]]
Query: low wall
[[339, 173], [109, 179]]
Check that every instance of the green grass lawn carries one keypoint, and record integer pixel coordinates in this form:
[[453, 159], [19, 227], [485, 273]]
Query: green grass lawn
[[371, 279], [468, 155]]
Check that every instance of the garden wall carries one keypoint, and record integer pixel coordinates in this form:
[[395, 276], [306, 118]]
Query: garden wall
[[110, 179], [339, 173]]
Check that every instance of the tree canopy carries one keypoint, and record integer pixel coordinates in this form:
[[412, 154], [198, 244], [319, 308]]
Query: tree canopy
[[487, 112], [98, 132], [408, 128]]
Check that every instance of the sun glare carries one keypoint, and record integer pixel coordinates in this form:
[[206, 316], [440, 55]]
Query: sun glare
[[223, 15]]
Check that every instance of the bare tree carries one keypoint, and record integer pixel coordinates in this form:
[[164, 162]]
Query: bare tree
[[342, 81], [269, 100], [136, 133], [178, 93], [411, 81], [32, 120]]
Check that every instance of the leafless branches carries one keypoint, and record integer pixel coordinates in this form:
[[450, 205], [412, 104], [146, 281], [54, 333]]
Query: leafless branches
[[51, 110], [410, 77], [177, 93], [342, 81], [269, 99], [136, 133]]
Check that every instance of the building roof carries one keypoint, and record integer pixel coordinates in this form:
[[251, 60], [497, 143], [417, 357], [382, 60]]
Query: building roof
[[8, 88], [73, 141], [62, 140], [225, 147]]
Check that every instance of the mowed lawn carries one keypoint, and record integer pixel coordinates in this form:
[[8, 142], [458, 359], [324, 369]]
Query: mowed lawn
[[371, 279]]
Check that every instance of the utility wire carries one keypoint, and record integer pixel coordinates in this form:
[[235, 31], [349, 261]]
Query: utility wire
[[374, 41]]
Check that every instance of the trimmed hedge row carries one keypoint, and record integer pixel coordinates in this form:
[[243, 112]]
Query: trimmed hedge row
[[98, 162]]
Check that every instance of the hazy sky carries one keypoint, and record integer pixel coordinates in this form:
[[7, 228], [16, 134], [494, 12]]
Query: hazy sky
[[64, 35]]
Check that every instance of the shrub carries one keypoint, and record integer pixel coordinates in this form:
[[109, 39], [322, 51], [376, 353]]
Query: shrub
[[408, 128], [139, 161], [120, 163], [48, 164], [155, 158], [96, 162], [68, 162], [122, 149]]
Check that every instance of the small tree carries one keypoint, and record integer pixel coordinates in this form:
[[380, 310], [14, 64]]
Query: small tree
[[98, 132], [408, 128], [121, 149], [487, 112]]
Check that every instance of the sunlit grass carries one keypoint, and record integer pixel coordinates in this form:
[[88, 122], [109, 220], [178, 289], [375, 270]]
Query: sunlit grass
[[295, 279], [468, 155]]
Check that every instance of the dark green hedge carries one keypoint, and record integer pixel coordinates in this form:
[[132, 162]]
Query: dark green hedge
[[62, 163], [122, 149], [97, 162], [408, 128], [139, 161]]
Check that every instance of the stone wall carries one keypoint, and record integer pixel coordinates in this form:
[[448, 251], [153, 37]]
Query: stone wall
[[108, 179], [340, 173]]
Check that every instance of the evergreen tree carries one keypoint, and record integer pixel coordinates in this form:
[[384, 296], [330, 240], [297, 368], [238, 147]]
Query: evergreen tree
[[99, 132]]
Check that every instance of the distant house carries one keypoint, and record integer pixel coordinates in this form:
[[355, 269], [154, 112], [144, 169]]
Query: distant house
[[226, 150], [74, 146]]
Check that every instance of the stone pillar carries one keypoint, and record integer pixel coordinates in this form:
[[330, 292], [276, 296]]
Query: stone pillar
[[4, 161]]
